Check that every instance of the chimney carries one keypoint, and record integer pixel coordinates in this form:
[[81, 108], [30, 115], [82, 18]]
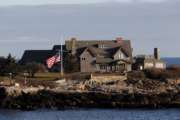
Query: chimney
[[119, 39], [157, 53], [73, 46]]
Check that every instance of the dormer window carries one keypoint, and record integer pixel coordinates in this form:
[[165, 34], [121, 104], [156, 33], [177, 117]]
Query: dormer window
[[83, 58], [120, 56], [101, 46]]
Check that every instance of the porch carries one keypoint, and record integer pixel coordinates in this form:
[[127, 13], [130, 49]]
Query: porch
[[116, 66]]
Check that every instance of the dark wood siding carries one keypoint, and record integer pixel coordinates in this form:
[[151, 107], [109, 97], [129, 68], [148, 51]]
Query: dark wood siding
[[87, 62]]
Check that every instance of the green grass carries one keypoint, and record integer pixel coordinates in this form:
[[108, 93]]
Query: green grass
[[43, 76], [47, 75], [38, 76], [44, 79], [3, 78]]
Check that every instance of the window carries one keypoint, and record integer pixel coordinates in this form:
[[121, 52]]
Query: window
[[159, 65], [102, 67], [101, 46], [120, 56], [83, 58]]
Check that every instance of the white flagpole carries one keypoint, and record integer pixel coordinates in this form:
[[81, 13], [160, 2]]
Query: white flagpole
[[61, 53]]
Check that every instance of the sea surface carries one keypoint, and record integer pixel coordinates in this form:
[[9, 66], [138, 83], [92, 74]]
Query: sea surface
[[172, 60], [92, 114]]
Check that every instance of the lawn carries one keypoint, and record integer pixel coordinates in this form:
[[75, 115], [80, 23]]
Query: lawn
[[39, 78], [44, 79], [47, 76]]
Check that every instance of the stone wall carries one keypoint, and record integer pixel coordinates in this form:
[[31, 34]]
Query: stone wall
[[107, 78]]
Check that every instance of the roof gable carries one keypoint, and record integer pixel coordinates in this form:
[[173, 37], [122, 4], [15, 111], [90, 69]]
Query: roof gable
[[87, 50], [122, 50], [108, 45]]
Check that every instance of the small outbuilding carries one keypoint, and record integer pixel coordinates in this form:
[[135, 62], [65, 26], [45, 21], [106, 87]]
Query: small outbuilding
[[142, 62]]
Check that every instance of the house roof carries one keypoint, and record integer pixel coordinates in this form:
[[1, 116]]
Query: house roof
[[58, 47], [100, 60], [103, 56], [39, 56], [110, 48], [124, 44], [97, 51], [101, 52], [121, 60], [93, 50], [147, 58], [153, 60]]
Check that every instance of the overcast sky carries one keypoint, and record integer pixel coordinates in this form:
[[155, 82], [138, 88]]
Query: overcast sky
[[147, 23], [35, 2]]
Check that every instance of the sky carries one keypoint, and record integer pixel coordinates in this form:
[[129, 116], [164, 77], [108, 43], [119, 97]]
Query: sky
[[37, 2], [147, 23]]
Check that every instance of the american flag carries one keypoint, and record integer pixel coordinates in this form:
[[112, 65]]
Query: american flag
[[53, 60]]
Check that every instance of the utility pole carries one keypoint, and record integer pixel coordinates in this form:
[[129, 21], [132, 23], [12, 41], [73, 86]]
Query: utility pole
[[10, 77], [61, 54]]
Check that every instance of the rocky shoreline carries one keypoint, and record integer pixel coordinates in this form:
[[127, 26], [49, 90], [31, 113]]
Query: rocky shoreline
[[100, 91], [42, 98]]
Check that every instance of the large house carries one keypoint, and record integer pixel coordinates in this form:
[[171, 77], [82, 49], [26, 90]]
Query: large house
[[93, 55], [102, 55]]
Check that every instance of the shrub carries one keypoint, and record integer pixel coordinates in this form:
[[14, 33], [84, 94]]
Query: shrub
[[136, 75], [78, 76], [174, 68], [172, 72], [8, 65], [71, 64], [33, 68], [155, 73]]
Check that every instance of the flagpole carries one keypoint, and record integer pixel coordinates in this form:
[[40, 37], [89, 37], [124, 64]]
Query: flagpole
[[61, 54]]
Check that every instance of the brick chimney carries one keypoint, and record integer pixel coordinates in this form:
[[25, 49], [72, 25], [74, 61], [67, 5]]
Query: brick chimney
[[157, 53], [73, 46], [119, 39]]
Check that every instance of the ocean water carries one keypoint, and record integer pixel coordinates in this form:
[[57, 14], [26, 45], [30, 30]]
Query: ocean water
[[172, 61], [92, 114]]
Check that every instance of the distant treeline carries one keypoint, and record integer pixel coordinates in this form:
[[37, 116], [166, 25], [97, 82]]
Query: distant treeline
[[10, 66]]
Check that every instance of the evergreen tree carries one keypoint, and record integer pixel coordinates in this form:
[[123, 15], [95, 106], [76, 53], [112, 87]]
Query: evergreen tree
[[8, 65], [71, 63]]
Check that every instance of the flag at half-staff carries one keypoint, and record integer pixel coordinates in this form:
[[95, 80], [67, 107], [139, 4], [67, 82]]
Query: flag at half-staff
[[53, 60]]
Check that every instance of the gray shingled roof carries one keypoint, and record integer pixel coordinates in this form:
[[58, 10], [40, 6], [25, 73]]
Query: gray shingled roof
[[39, 56], [58, 47], [103, 56], [153, 60], [100, 60], [125, 45]]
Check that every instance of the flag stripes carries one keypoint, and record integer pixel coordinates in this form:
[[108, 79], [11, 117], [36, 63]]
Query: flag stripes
[[53, 60]]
